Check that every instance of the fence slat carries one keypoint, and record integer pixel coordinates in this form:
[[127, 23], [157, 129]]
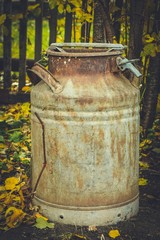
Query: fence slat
[[7, 45], [68, 27], [22, 44], [38, 33], [53, 25]]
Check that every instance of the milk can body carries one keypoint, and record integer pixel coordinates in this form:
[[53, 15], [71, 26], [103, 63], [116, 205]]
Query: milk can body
[[85, 140]]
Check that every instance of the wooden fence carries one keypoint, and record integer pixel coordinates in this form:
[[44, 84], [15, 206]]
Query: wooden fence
[[23, 11]]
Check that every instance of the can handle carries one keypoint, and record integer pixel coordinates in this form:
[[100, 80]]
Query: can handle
[[39, 72], [124, 63]]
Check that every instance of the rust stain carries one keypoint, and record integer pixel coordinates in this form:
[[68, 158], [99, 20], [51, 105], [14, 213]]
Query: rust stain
[[84, 101], [80, 182], [101, 134], [86, 137], [99, 160]]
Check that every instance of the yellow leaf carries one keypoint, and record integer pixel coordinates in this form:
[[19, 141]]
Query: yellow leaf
[[143, 164], [38, 215], [148, 38], [76, 3], [2, 189], [89, 8], [26, 89], [79, 236], [68, 8], [78, 12], [10, 183], [60, 8], [114, 233], [17, 116], [114, 39], [2, 208], [33, 7], [2, 146], [25, 109], [14, 216], [2, 18], [3, 196], [143, 181], [145, 142], [88, 17]]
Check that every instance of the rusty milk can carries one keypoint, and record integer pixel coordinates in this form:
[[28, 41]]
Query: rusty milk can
[[85, 135]]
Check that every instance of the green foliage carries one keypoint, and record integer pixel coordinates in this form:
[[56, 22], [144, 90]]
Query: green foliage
[[74, 6], [149, 49], [15, 137], [52, 3], [41, 223], [1, 139], [31, 8], [151, 45], [2, 18]]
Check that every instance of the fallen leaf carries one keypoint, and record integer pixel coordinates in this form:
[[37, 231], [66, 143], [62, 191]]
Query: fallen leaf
[[10, 183], [143, 164], [41, 224], [14, 216], [15, 137], [3, 196], [143, 181], [79, 236], [114, 233], [92, 228], [38, 215], [1, 139], [26, 89]]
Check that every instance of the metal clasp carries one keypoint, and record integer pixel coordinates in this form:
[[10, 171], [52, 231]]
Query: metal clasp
[[124, 63]]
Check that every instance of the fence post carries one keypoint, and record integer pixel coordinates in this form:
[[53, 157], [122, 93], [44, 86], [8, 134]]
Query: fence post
[[38, 33], [22, 44], [53, 25], [68, 27], [7, 62]]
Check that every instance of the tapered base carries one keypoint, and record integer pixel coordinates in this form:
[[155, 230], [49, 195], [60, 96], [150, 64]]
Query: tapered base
[[86, 216]]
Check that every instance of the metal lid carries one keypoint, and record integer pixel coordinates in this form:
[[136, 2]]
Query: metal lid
[[85, 49]]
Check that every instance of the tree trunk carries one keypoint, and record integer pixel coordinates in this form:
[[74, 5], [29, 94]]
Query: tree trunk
[[116, 19], [136, 28], [151, 94], [152, 83], [103, 29], [98, 33]]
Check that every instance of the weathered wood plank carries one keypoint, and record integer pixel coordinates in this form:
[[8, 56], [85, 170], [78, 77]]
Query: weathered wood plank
[[68, 27], [53, 25], [22, 44], [38, 33], [7, 45]]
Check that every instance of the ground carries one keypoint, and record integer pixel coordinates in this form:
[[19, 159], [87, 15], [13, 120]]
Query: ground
[[144, 226]]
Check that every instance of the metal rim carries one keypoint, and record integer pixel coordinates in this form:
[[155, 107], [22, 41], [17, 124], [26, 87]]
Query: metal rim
[[85, 49]]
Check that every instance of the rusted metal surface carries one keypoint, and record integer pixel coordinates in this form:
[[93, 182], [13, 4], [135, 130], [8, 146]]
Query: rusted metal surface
[[91, 142]]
